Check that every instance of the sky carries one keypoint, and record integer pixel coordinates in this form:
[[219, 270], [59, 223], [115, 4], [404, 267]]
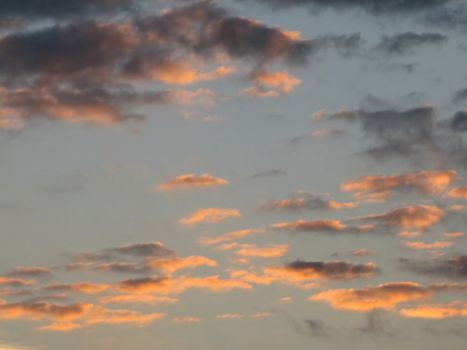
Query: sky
[[238, 174]]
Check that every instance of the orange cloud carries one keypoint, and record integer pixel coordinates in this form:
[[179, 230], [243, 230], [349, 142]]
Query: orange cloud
[[165, 285], [209, 215], [271, 251], [458, 193], [176, 264], [380, 187], [74, 316], [228, 236], [15, 282], [137, 299], [179, 73], [413, 217], [427, 246], [361, 252], [86, 288], [271, 84], [436, 311], [188, 181], [384, 296], [454, 235]]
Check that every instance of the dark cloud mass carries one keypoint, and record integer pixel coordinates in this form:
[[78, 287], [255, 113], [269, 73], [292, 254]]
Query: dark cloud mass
[[337, 270], [30, 9], [405, 43], [87, 70], [372, 6], [455, 267]]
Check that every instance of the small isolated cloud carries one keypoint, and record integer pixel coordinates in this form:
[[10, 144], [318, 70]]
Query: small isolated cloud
[[189, 181], [187, 319], [210, 215], [269, 173]]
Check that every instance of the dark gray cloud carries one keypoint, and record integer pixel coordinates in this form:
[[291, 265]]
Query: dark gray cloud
[[459, 96], [335, 270], [345, 45], [449, 17], [151, 249], [405, 43], [459, 121], [31, 9], [269, 173], [317, 328], [305, 201], [86, 70], [371, 6], [455, 267]]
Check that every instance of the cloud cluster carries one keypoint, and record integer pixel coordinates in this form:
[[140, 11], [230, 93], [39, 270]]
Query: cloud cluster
[[90, 70]]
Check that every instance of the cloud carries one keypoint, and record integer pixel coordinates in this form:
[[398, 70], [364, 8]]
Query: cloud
[[15, 282], [427, 246], [336, 270], [271, 84], [51, 9], [305, 200], [31, 272], [404, 43], [361, 252], [188, 181], [86, 288], [375, 7], [271, 251], [459, 96], [317, 328], [269, 173], [394, 131], [455, 267], [304, 273], [457, 193], [420, 217], [89, 70], [380, 187], [436, 311], [209, 215], [320, 226], [459, 122], [151, 249], [228, 237], [138, 258], [137, 299], [165, 285], [186, 319], [384, 296]]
